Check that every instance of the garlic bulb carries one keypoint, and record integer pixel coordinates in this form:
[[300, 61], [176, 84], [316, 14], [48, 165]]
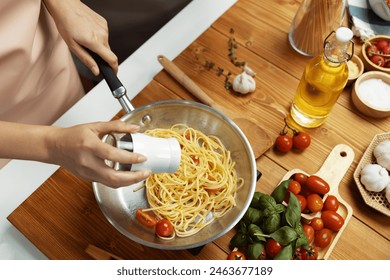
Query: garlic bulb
[[244, 83], [374, 177], [382, 154], [387, 193]]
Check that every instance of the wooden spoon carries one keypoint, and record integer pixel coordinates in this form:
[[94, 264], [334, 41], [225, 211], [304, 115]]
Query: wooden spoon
[[257, 137]]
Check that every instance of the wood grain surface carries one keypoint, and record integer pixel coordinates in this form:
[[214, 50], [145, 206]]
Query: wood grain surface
[[62, 217]]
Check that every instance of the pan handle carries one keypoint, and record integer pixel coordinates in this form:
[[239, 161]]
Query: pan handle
[[115, 85]]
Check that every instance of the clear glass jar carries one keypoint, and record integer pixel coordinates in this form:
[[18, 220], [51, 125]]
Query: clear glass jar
[[314, 20]]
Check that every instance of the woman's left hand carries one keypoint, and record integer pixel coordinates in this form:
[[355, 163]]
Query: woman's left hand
[[81, 28]]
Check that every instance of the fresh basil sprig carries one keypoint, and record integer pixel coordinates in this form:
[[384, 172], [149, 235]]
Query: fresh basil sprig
[[267, 217]]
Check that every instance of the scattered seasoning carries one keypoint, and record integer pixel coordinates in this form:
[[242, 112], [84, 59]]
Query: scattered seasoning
[[353, 69], [232, 46], [232, 49], [376, 93]]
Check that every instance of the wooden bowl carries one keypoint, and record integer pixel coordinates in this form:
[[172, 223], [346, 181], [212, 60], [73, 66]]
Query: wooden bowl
[[368, 64], [359, 63], [365, 106]]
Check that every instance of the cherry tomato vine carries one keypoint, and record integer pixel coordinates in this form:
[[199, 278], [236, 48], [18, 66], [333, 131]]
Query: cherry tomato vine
[[299, 140]]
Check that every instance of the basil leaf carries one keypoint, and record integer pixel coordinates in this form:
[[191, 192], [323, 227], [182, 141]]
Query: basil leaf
[[240, 239], [284, 235], [255, 199], [256, 234], [266, 201], [285, 254], [254, 250], [271, 223], [253, 215], [293, 211], [279, 193]]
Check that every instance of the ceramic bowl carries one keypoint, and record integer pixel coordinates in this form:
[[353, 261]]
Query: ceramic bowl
[[380, 8], [368, 64], [372, 102], [355, 61]]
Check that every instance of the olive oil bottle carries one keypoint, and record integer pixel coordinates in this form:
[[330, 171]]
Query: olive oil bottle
[[323, 80]]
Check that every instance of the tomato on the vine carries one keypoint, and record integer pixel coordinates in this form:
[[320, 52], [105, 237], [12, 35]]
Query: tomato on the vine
[[301, 140], [272, 247], [145, 218], [236, 256], [283, 143], [314, 202], [309, 254], [322, 238], [164, 228], [294, 187]]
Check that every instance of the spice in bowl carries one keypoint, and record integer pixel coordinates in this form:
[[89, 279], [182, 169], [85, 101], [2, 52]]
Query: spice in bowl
[[371, 94], [355, 69]]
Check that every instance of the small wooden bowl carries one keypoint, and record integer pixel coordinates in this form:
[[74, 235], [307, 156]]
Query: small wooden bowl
[[352, 78], [368, 65], [361, 104]]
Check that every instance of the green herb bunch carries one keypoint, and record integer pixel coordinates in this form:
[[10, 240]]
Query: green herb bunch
[[267, 217]]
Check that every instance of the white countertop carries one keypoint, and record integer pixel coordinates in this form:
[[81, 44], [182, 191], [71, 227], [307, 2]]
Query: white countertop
[[19, 179]]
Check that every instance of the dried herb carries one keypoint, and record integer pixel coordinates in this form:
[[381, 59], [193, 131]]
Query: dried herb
[[232, 44]]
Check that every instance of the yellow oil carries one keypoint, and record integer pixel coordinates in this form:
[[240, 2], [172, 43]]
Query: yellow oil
[[319, 88]]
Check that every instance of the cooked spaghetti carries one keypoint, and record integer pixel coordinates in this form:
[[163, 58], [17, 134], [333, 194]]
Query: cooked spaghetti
[[201, 190]]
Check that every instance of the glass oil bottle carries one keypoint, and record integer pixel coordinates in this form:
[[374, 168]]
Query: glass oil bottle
[[323, 80]]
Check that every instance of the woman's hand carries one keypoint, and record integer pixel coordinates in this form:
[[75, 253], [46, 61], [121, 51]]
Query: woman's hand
[[80, 150], [81, 28]]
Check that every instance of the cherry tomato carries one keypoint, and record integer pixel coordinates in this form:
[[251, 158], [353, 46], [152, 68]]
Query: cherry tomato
[[236, 256], [314, 202], [381, 44], [294, 187], [272, 247], [331, 203], [310, 254], [386, 50], [297, 255], [263, 255], [322, 238], [284, 143], [301, 140], [164, 228], [378, 60], [195, 159], [371, 50], [300, 178], [302, 201], [317, 184], [332, 220], [317, 223], [309, 232], [145, 218], [305, 191], [387, 65]]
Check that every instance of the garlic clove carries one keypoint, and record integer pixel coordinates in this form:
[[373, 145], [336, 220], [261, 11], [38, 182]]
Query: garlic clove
[[249, 71]]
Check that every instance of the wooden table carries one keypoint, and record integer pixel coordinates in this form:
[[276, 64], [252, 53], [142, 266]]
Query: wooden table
[[62, 217]]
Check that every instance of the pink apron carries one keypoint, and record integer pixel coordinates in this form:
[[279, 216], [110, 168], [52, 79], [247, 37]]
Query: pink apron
[[38, 79]]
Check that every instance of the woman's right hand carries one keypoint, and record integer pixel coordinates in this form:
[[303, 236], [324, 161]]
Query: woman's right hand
[[80, 150]]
